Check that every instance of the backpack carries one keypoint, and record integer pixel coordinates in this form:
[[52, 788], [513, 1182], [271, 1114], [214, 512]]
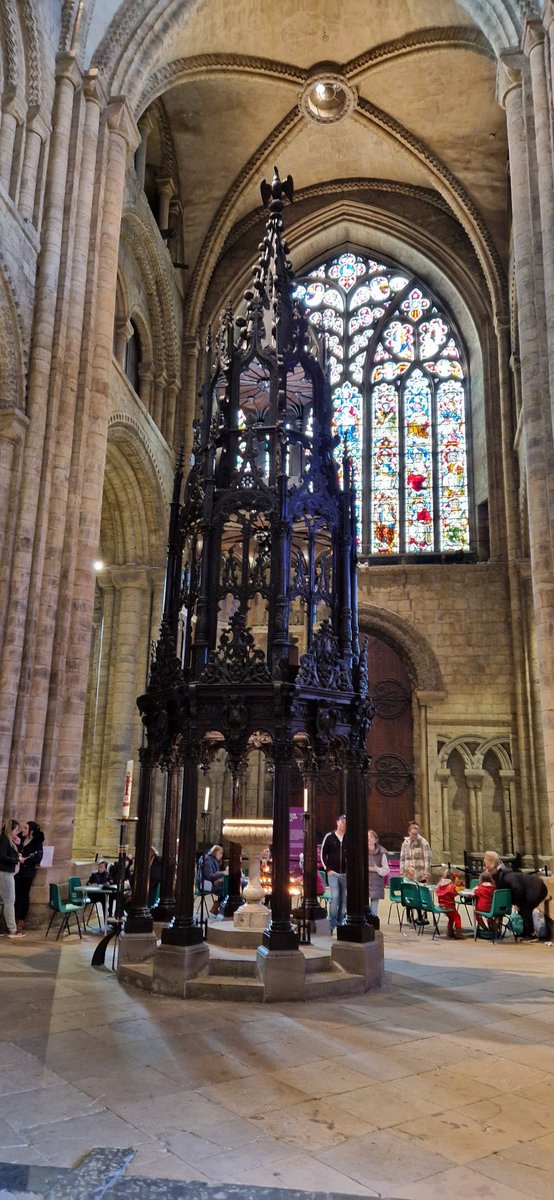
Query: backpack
[[515, 923]]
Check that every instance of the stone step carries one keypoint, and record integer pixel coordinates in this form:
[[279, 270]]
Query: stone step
[[322, 985], [140, 975], [225, 987], [233, 965]]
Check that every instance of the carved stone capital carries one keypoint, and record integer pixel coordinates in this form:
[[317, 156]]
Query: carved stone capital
[[67, 67], [121, 121], [93, 89], [37, 124], [131, 577], [509, 76], [14, 106], [533, 36], [13, 424], [166, 186]]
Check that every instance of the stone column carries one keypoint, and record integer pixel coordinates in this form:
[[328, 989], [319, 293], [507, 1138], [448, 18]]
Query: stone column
[[158, 392], [29, 550], [13, 115], [170, 398], [474, 780], [146, 378], [166, 189], [123, 331], [507, 778], [534, 47], [183, 433], [13, 430], [443, 776], [36, 135], [537, 424]]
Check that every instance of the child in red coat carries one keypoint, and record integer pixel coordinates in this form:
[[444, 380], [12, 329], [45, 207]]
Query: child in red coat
[[483, 900], [445, 893]]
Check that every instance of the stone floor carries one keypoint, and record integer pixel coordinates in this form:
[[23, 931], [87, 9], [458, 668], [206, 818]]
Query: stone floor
[[441, 1084]]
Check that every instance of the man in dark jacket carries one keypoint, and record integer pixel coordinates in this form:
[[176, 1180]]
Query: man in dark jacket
[[333, 857]]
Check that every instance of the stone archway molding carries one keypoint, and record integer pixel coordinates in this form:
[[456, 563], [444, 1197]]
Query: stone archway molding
[[138, 40], [419, 657]]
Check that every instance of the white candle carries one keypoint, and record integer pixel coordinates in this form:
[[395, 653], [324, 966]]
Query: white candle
[[305, 799], [206, 799], [126, 807]]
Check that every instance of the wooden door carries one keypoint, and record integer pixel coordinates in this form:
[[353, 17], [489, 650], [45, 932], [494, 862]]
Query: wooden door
[[390, 800]]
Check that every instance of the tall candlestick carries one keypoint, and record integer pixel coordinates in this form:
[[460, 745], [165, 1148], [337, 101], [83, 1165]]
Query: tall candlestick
[[206, 799], [126, 806], [305, 799]]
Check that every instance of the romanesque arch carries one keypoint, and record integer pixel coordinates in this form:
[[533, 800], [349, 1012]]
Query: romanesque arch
[[127, 612]]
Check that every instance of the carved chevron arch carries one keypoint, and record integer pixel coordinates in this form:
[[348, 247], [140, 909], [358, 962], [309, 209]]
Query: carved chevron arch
[[160, 291]]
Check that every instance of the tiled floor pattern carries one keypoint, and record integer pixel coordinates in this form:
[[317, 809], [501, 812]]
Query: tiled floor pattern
[[441, 1084]]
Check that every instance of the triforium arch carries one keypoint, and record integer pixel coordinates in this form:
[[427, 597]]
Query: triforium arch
[[479, 801], [128, 600]]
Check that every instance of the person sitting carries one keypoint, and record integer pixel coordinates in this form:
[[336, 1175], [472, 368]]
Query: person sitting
[[210, 876], [483, 900], [409, 876], [100, 876], [446, 893]]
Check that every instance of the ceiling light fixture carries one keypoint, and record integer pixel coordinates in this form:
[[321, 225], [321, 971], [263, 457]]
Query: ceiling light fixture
[[327, 96]]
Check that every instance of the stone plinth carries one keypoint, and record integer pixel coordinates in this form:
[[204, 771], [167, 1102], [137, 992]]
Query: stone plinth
[[283, 974], [136, 947], [366, 959], [174, 965]]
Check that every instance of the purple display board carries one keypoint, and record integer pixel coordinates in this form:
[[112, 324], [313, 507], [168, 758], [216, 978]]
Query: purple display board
[[296, 837]]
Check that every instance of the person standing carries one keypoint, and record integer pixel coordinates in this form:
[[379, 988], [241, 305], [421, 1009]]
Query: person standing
[[378, 866], [333, 857], [30, 857], [416, 852], [9, 863]]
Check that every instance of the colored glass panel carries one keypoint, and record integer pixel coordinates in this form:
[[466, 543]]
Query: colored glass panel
[[347, 270], [452, 466], [384, 470], [418, 462], [416, 485], [399, 339], [432, 335]]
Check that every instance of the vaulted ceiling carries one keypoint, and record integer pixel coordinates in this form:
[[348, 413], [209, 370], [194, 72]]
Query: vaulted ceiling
[[424, 115]]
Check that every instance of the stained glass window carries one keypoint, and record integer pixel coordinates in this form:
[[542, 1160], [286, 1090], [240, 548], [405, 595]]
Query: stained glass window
[[399, 385]]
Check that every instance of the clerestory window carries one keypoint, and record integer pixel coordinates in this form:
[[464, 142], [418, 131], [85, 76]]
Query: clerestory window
[[399, 386]]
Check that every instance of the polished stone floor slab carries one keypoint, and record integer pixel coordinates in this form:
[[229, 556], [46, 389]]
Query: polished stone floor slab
[[442, 1083]]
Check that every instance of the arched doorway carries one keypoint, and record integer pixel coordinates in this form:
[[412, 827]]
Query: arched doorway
[[391, 791]]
